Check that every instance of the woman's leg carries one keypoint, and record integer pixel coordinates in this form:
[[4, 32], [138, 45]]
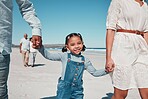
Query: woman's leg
[[143, 93], [119, 94], [27, 57], [34, 56]]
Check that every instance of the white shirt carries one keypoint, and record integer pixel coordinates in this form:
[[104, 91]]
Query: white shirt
[[127, 14], [25, 44]]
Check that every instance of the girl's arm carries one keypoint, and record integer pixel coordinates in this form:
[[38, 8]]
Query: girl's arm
[[96, 73], [50, 56]]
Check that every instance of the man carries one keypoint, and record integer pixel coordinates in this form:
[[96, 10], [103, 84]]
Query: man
[[27, 11], [24, 49]]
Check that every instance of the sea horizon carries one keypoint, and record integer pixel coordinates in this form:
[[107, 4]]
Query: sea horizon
[[87, 49]]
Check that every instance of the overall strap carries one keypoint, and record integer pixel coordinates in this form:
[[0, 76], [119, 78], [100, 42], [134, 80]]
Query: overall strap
[[69, 56], [83, 59]]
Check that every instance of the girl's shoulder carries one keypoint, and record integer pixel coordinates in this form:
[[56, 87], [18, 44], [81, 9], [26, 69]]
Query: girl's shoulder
[[86, 59]]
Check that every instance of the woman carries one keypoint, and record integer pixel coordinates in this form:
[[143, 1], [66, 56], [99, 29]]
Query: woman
[[127, 46]]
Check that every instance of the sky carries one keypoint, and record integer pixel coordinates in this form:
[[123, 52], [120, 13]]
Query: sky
[[62, 17]]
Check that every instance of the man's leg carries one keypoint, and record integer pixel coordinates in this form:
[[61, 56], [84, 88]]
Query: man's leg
[[4, 71]]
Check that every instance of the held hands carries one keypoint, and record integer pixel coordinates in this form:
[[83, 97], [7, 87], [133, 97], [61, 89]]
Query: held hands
[[37, 41], [109, 65]]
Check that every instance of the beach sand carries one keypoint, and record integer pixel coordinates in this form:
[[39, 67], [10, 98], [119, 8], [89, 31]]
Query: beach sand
[[40, 82]]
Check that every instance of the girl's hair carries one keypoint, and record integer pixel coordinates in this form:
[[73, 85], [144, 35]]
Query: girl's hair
[[64, 49], [30, 38]]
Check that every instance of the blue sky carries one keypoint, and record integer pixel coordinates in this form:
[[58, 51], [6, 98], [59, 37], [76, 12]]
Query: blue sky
[[61, 17]]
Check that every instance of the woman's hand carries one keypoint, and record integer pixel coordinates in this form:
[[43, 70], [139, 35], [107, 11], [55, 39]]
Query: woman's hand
[[109, 65], [109, 43]]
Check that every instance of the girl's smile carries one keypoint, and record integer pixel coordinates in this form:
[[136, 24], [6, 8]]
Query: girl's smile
[[75, 45]]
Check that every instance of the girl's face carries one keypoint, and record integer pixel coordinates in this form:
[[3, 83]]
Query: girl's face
[[75, 45]]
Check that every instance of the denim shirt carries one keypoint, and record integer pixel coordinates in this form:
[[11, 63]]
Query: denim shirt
[[63, 57], [28, 13]]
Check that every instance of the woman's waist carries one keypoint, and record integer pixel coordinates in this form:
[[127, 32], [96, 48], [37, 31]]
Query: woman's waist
[[137, 32]]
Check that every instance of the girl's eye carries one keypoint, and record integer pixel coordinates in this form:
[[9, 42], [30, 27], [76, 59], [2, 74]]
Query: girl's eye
[[72, 44], [79, 42]]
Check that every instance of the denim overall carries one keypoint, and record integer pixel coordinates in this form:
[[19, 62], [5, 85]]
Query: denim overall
[[71, 87]]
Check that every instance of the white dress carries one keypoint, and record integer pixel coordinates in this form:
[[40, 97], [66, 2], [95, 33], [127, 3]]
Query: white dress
[[130, 51]]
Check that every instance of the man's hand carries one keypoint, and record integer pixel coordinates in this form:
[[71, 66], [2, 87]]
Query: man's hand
[[37, 41]]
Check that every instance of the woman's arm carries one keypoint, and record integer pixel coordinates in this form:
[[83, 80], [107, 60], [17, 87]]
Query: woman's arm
[[146, 37], [111, 25], [109, 43]]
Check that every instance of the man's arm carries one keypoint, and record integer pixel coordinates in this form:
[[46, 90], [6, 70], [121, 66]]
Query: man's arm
[[28, 13]]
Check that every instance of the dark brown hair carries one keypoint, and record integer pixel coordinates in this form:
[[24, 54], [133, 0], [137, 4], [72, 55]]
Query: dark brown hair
[[64, 49]]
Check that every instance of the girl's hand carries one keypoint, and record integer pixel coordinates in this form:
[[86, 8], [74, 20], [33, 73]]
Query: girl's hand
[[109, 65]]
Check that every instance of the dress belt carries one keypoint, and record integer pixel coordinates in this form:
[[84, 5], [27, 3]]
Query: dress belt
[[131, 31]]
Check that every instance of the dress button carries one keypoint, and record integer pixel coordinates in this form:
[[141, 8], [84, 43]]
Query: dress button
[[77, 69], [76, 74], [73, 84], [74, 78]]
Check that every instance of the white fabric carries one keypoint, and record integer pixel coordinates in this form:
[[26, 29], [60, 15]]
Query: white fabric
[[127, 14], [32, 49], [25, 44], [130, 51]]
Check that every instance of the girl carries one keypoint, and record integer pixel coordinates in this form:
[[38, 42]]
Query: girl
[[73, 66], [32, 54]]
